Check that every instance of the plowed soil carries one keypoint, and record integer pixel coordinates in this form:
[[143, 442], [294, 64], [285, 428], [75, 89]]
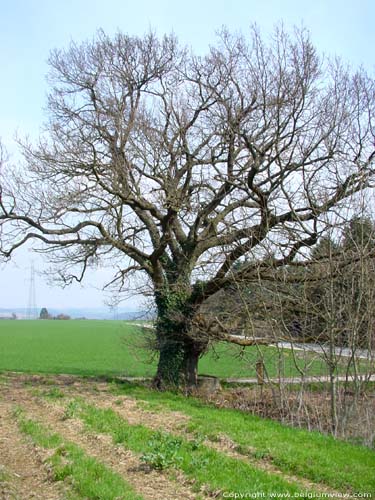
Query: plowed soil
[[24, 472]]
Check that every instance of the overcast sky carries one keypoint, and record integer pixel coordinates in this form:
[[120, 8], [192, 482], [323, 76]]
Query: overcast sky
[[29, 29]]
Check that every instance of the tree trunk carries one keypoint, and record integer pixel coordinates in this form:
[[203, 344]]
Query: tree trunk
[[179, 350], [193, 349], [171, 355], [178, 361]]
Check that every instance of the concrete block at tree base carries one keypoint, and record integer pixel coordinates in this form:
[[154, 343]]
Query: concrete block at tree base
[[208, 385]]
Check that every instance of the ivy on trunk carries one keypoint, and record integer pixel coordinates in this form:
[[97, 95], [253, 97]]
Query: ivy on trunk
[[179, 351]]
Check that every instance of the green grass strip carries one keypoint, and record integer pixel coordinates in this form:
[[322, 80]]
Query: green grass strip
[[88, 477], [311, 455], [203, 464], [39, 434]]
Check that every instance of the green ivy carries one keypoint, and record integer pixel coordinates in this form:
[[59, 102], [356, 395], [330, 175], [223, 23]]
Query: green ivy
[[173, 310]]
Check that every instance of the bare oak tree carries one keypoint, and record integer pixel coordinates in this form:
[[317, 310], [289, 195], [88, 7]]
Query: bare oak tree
[[180, 167]]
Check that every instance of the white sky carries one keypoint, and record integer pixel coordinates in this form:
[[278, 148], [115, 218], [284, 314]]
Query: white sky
[[29, 29]]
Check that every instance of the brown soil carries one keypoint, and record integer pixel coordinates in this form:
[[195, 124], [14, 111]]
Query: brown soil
[[23, 474], [27, 475]]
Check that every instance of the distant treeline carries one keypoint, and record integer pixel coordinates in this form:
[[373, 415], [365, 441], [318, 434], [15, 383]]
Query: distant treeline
[[44, 314]]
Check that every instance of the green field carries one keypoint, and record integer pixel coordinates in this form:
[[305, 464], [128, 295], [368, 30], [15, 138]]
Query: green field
[[114, 348]]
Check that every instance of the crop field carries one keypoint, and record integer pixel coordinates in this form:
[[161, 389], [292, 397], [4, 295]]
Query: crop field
[[67, 437], [116, 348]]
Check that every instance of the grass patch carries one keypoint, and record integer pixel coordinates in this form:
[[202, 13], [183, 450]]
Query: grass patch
[[90, 478], [53, 393], [4, 476], [87, 477], [311, 455], [198, 462], [39, 434]]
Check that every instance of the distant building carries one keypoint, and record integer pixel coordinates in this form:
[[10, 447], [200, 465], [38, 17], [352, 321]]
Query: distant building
[[7, 316]]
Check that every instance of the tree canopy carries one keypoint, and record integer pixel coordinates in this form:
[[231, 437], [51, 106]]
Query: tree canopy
[[179, 167]]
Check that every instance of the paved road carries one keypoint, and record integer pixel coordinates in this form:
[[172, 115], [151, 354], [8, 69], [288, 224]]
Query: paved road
[[324, 349], [320, 349]]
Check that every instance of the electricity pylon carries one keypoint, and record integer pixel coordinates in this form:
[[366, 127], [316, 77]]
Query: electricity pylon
[[31, 305]]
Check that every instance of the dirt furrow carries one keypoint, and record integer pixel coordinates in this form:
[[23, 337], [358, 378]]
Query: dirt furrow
[[23, 475], [151, 484]]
